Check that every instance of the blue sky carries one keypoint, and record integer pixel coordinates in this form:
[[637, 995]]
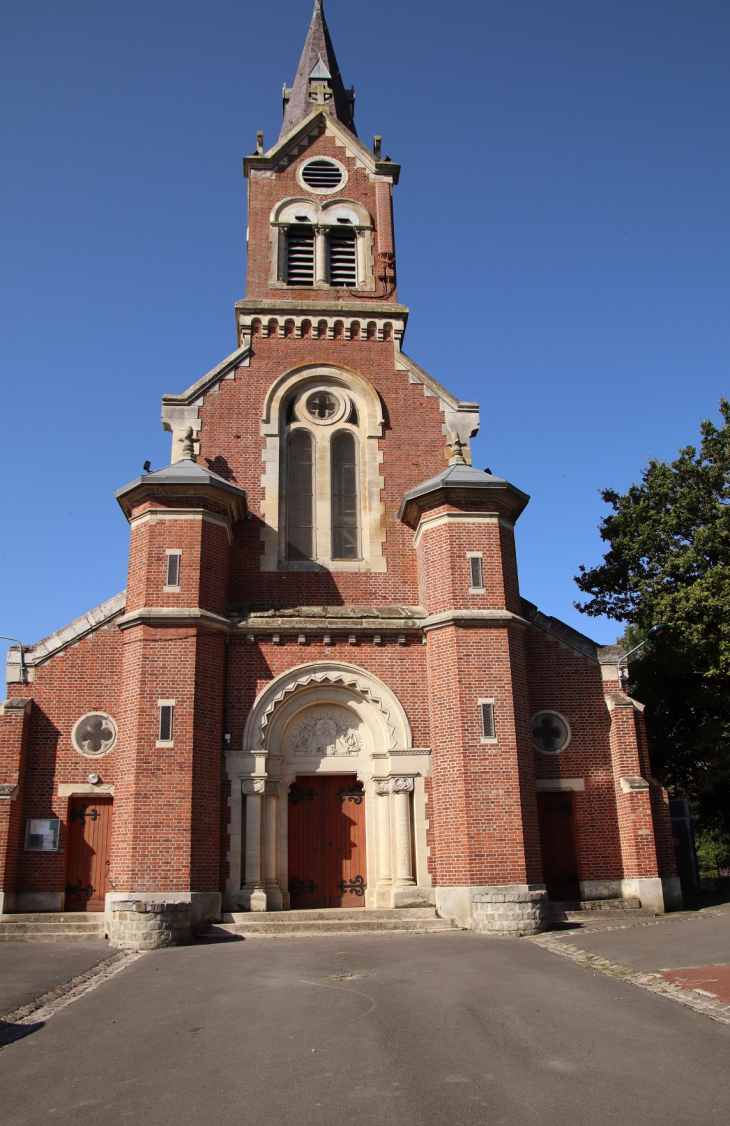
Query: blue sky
[[562, 236]]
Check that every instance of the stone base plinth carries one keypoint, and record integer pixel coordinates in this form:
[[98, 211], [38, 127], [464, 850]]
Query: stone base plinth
[[136, 925], [510, 910], [506, 909]]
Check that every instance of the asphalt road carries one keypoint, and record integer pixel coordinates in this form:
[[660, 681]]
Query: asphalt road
[[30, 969], [413, 1030]]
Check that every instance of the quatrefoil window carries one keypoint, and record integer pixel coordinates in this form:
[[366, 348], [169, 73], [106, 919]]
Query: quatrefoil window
[[94, 734], [322, 405], [550, 732]]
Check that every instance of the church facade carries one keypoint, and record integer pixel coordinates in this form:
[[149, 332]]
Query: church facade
[[322, 687]]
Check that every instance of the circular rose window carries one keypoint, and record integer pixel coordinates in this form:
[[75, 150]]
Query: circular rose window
[[550, 732], [322, 405], [95, 734]]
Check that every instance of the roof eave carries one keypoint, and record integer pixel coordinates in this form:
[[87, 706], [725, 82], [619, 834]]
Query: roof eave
[[266, 161]]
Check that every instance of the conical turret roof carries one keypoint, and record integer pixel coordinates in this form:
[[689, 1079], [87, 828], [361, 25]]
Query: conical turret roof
[[318, 81]]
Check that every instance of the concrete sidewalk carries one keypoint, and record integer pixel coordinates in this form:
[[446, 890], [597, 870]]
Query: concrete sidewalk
[[30, 969], [679, 940]]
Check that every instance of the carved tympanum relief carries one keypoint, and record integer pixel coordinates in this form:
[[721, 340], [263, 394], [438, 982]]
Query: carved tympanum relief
[[326, 731]]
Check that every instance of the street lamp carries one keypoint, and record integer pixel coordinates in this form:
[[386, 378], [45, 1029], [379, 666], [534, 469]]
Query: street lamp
[[656, 631], [22, 662]]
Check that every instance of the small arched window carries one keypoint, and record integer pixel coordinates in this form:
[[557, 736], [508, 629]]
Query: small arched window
[[300, 496], [343, 474]]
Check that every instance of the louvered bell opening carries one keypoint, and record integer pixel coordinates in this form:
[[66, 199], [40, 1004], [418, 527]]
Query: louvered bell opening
[[476, 572], [166, 714], [488, 721], [299, 496], [322, 174], [300, 256], [344, 496], [343, 257], [173, 570]]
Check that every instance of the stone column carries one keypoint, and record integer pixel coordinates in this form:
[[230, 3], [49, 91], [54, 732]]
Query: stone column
[[383, 893], [320, 256], [253, 892], [273, 891], [402, 788]]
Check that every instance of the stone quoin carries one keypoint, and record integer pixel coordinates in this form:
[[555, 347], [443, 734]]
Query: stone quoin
[[322, 687]]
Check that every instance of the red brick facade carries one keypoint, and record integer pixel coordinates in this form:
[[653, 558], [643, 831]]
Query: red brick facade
[[398, 634]]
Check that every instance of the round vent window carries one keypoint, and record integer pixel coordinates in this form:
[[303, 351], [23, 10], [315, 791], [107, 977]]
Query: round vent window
[[322, 175], [95, 734], [550, 732]]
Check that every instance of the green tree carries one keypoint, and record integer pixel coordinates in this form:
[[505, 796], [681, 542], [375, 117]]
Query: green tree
[[669, 561]]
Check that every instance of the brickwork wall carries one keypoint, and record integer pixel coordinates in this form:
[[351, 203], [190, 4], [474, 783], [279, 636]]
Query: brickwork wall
[[14, 740], [83, 678], [166, 804], [562, 680], [203, 565], [484, 816]]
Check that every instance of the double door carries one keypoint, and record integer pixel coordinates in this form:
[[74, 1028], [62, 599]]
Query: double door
[[327, 841]]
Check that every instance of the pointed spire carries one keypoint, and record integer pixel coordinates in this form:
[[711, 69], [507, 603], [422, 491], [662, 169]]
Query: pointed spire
[[318, 81]]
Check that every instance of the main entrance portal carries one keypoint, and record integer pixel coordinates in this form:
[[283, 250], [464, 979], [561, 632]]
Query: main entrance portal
[[327, 866]]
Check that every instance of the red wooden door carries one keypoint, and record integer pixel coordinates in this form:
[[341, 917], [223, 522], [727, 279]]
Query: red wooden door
[[87, 853], [326, 842], [557, 841]]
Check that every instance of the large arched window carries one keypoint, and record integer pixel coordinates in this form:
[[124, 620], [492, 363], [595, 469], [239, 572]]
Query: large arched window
[[300, 496], [343, 482]]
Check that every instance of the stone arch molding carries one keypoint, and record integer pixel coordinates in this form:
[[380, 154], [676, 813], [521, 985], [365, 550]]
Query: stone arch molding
[[372, 506], [323, 681]]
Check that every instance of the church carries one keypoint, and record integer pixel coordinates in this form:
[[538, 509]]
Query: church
[[322, 689]]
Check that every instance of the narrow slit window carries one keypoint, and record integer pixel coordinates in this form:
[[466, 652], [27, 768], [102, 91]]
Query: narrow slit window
[[166, 716], [344, 496], [343, 257], [173, 569], [475, 563], [300, 255], [300, 497], [488, 731]]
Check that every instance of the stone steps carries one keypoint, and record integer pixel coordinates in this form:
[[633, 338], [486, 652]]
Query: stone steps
[[334, 921], [604, 910], [52, 926]]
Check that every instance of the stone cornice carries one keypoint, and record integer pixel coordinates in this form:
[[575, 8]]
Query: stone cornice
[[166, 616], [296, 142], [319, 304], [474, 618]]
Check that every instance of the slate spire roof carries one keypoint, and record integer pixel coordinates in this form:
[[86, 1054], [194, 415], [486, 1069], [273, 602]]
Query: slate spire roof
[[318, 81]]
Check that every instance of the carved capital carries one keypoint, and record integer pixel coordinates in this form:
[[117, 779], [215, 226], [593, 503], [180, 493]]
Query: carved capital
[[402, 785], [272, 787], [382, 785], [253, 785]]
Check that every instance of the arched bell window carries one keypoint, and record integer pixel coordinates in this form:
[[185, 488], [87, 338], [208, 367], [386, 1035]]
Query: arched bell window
[[321, 246]]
